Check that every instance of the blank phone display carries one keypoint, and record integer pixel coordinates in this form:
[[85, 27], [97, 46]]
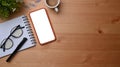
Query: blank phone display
[[42, 26]]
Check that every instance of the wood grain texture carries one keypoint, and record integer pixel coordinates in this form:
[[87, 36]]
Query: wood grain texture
[[88, 35]]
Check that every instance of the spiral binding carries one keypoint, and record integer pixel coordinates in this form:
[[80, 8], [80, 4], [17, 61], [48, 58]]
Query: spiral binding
[[28, 27]]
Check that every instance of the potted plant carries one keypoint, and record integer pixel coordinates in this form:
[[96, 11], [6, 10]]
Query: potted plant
[[8, 7]]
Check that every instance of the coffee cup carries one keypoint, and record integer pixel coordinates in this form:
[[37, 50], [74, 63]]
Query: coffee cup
[[53, 4]]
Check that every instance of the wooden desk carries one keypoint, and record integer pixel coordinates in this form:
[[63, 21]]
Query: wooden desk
[[88, 35]]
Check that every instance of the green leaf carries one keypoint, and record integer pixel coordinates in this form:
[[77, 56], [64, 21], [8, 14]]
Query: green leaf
[[4, 3], [4, 12], [7, 7]]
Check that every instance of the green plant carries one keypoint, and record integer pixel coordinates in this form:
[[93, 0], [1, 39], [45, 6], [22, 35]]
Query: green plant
[[7, 7]]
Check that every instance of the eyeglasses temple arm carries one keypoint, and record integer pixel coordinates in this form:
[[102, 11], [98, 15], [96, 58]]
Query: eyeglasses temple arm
[[3, 46]]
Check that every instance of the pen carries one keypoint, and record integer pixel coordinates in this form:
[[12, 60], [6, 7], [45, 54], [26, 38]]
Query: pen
[[16, 50]]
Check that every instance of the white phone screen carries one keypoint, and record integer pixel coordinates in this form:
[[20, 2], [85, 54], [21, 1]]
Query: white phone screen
[[42, 26]]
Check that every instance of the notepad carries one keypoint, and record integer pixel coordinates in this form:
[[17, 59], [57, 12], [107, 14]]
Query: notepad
[[19, 28], [24, 30]]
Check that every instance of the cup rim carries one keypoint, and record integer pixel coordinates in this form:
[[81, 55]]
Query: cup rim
[[52, 6]]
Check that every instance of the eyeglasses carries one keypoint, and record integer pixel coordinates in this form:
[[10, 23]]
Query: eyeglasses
[[15, 32]]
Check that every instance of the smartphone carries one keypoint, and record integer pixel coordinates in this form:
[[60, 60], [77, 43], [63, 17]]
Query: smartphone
[[42, 26]]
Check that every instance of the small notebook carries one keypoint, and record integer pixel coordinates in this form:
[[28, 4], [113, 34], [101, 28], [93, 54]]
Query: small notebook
[[24, 31]]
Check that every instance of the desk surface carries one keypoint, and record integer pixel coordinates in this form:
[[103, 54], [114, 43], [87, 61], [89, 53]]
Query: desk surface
[[88, 35]]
